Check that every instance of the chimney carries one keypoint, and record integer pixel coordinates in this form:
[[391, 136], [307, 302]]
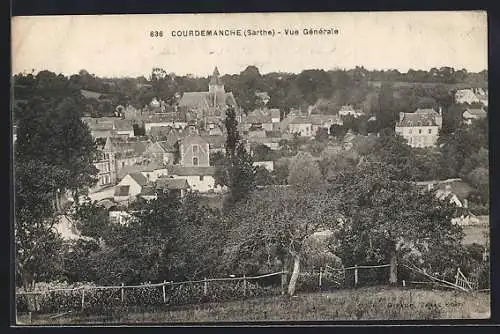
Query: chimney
[[466, 204], [440, 111], [401, 116]]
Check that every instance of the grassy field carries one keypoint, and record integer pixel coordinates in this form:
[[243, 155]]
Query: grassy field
[[479, 233], [373, 303]]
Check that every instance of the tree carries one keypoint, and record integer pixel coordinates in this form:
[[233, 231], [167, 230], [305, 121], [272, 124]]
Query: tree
[[304, 172], [322, 134], [339, 131], [54, 153], [262, 153], [479, 178], [333, 163], [385, 113], [238, 168], [393, 150], [52, 132], [92, 219], [387, 219], [276, 223], [263, 177], [202, 234]]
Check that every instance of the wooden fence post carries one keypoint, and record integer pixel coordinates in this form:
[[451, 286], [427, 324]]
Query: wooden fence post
[[244, 285], [83, 298], [355, 275], [164, 295], [283, 282], [123, 292], [205, 287], [320, 274], [456, 276]]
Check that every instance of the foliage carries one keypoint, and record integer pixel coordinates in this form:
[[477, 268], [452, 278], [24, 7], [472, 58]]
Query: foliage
[[239, 169], [304, 172], [273, 224], [387, 217]]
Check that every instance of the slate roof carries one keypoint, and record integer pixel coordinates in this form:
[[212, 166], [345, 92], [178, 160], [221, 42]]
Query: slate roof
[[190, 171], [205, 100], [215, 141], [171, 183], [122, 191], [123, 125], [320, 119], [124, 146], [421, 117], [477, 112], [188, 140], [139, 178], [273, 134], [301, 120]]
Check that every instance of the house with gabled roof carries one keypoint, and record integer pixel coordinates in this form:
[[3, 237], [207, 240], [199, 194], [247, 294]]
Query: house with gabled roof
[[177, 186], [150, 169], [165, 151], [124, 152], [199, 178], [302, 126], [194, 151], [324, 121], [129, 187], [420, 128], [123, 127]]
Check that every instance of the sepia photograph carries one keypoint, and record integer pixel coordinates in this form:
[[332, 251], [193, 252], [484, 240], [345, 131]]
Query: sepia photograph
[[250, 168]]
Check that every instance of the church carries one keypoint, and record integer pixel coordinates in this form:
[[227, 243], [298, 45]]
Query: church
[[210, 107]]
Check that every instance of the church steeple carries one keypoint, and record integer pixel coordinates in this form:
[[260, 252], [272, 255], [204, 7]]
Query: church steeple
[[215, 84]]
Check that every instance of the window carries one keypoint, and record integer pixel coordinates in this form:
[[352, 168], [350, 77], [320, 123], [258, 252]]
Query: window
[[201, 177], [109, 167], [195, 149], [195, 161], [420, 131], [430, 131]]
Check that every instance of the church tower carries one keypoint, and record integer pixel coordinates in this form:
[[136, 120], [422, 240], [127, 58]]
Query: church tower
[[215, 85]]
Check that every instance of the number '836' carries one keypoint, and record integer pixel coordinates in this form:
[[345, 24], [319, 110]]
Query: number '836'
[[156, 33]]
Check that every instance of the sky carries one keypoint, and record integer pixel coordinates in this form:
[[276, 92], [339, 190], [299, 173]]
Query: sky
[[120, 45]]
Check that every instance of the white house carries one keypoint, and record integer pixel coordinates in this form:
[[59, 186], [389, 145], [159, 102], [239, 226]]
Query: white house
[[129, 187], [199, 178], [466, 96], [421, 128], [302, 126]]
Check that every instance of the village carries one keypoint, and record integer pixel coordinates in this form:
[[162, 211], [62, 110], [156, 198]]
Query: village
[[176, 151]]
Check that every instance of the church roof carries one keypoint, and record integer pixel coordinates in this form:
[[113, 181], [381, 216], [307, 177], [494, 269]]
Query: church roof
[[205, 100]]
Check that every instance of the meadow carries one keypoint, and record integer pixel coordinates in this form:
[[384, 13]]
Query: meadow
[[369, 303]]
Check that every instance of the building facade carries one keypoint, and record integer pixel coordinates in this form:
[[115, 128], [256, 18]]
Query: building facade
[[421, 128]]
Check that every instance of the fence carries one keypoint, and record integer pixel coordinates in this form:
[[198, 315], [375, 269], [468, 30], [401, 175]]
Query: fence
[[103, 299]]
